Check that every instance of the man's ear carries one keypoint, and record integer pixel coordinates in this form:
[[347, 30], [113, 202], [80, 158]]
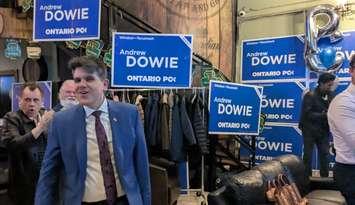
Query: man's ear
[[106, 83]]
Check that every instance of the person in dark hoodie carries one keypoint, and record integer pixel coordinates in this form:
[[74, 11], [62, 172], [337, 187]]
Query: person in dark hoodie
[[314, 123]]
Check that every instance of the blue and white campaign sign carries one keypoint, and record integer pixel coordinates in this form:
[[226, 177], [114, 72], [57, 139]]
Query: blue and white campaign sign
[[234, 108], [273, 59], [46, 87], [282, 101], [64, 20], [275, 141], [151, 60], [345, 47]]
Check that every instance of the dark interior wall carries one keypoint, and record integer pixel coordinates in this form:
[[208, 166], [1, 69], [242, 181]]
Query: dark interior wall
[[210, 21]]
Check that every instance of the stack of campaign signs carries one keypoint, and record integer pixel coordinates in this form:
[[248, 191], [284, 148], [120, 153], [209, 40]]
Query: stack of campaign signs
[[284, 77]]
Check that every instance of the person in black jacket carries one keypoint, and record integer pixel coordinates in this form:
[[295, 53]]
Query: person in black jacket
[[314, 123], [25, 139]]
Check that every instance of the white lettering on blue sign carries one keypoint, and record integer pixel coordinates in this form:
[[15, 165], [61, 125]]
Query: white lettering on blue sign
[[279, 116], [257, 54], [274, 146], [278, 103], [278, 59], [288, 72], [266, 73], [153, 62], [51, 31], [222, 99], [69, 15], [143, 61], [263, 157], [343, 70], [346, 54], [143, 78], [50, 7], [233, 125], [230, 109], [228, 124], [63, 31], [132, 52]]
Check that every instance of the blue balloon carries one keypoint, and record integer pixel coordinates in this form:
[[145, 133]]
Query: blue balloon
[[327, 56]]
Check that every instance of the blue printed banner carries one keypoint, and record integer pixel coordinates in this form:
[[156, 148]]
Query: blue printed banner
[[234, 108], [46, 87], [151, 60], [278, 140], [273, 59], [282, 101], [282, 58], [345, 48], [66, 20]]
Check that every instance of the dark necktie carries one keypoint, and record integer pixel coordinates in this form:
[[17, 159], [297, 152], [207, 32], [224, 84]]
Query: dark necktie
[[105, 161]]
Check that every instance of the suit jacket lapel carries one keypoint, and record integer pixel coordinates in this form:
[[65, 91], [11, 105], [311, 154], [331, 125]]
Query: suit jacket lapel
[[116, 127], [81, 140]]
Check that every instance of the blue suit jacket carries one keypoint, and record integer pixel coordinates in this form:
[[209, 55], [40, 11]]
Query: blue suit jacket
[[67, 153]]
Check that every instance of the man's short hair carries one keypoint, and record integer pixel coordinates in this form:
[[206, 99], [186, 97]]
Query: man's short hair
[[90, 65], [32, 86], [325, 77]]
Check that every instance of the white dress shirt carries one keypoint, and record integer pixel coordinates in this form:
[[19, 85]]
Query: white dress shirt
[[341, 119], [94, 183]]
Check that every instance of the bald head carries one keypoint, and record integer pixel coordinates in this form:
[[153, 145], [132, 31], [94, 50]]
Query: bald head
[[67, 91]]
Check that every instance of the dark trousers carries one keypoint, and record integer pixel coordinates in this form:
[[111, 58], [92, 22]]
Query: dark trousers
[[344, 176], [120, 201], [322, 144]]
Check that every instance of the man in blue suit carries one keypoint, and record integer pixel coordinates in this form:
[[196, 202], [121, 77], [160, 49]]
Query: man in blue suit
[[98, 145]]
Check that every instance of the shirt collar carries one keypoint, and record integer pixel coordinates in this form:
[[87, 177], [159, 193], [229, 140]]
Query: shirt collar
[[25, 118], [102, 108]]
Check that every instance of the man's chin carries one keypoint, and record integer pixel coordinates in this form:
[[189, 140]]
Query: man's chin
[[84, 102], [31, 114]]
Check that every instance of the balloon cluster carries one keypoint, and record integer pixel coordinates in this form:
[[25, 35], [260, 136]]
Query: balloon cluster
[[324, 59]]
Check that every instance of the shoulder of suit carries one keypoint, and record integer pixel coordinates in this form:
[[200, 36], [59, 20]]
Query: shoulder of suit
[[68, 112], [120, 105]]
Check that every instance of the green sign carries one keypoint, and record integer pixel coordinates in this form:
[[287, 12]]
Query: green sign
[[73, 44], [211, 73], [108, 58], [27, 4], [94, 47]]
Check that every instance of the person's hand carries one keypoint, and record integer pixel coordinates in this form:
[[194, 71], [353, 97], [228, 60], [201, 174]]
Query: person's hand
[[42, 123], [45, 119]]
